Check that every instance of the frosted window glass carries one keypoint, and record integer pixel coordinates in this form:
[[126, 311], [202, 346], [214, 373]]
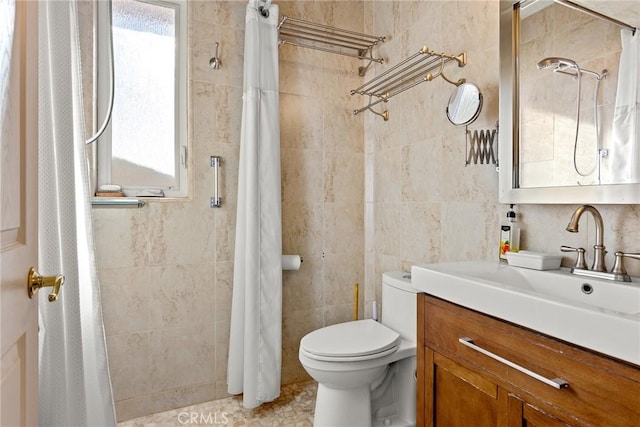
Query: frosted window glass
[[144, 113]]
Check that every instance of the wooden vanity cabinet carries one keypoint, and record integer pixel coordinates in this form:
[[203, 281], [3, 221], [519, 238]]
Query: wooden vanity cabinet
[[461, 386]]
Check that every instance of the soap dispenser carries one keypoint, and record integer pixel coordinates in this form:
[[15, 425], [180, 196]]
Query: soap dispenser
[[514, 235], [509, 234]]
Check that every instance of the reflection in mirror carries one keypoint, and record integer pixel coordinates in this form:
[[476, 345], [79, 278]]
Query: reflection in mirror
[[465, 104], [567, 117], [571, 68], [569, 86]]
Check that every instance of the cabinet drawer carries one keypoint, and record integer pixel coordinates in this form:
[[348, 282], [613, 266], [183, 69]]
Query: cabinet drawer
[[600, 391]]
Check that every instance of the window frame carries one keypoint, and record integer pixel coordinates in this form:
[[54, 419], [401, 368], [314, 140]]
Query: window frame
[[101, 92]]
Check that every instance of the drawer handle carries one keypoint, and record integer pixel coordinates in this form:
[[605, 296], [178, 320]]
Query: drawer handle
[[555, 383]]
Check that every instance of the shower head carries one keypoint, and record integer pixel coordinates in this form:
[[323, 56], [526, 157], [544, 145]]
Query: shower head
[[567, 66], [555, 63]]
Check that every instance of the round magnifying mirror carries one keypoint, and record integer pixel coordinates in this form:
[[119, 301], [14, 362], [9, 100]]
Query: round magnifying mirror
[[465, 104]]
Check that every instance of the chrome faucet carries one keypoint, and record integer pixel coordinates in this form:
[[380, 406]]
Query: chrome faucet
[[598, 248]]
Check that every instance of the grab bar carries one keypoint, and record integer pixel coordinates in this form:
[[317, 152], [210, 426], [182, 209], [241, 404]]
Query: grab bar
[[216, 200], [555, 383]]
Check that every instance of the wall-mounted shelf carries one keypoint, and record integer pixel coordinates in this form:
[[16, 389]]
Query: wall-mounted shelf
[[421, 67], [297, 32]]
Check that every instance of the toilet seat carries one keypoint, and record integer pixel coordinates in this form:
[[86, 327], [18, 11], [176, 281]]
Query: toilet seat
[[350, 341]]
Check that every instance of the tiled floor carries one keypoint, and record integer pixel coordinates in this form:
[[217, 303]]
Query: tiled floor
[[293, 408]]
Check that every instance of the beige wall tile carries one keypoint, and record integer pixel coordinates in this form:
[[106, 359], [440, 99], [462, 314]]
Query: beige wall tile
[[126, 294], [302, 229], [343, 227], [225, 224], [129, 365], [344, 177], [225, 13], [297, 132], [303, 289], [295, 325], [122, 237], [221, 349], [341, 273], [170, 399], [302, 176], [181, 357], [173, 237]]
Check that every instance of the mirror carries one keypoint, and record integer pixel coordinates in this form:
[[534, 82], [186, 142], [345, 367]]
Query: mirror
[[465, 104], [559, 68]]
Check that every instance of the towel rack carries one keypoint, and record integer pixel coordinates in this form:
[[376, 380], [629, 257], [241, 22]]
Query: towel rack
[[297, 32], [414, 70]]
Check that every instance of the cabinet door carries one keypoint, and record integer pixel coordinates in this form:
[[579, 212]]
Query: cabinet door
[[459, 396], [523, 414], [534, 417]]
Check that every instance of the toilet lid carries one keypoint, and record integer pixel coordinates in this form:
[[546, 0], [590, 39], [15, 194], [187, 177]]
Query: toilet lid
[[350, 339]]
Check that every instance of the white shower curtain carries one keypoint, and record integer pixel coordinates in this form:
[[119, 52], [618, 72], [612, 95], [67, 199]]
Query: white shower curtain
[[75, 389], [624, 155], [255, 343]]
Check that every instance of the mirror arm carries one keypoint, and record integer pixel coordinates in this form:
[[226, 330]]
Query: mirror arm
[[456, 83]]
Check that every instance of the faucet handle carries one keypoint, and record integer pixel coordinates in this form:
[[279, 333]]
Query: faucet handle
[[581, 264], [618, 266]]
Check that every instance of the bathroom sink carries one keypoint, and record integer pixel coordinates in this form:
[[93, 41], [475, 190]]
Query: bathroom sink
[[601, 315]]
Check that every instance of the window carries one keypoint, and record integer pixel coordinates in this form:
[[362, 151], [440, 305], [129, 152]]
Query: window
[[145, 147]]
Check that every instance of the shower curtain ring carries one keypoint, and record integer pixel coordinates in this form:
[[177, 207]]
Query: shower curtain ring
[[264, 10]]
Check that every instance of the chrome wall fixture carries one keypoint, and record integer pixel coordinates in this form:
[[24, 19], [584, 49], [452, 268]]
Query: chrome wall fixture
[[117, 202], [416, 69], [297, 32], [480, 146], [216, 62], [216, 200]]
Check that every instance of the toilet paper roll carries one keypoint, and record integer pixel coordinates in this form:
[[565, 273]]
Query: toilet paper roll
[[291, 262]]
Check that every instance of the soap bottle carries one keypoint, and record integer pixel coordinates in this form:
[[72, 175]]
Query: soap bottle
[[509, 235], [514, 232], [505, 243]]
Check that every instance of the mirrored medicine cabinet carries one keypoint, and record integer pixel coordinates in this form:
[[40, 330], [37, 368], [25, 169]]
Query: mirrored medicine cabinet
[[559, 68]]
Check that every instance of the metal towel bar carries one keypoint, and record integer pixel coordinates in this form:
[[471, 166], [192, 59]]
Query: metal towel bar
[[297, 32], [416, 69]]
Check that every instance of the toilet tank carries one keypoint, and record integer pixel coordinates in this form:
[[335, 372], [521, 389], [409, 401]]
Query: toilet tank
[[399, 304]]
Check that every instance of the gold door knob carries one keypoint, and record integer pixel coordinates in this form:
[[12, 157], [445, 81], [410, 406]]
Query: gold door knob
[[36, 281]]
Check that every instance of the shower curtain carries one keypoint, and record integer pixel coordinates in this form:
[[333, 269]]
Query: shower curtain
[[624, 155], [75, 389], [255, 349]]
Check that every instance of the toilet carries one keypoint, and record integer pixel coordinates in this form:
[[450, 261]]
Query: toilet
[[366, 370]]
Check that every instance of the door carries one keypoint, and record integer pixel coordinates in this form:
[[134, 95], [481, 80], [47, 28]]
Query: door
[[18, 215]]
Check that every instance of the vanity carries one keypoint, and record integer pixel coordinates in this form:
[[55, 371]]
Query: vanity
[[500, 346]]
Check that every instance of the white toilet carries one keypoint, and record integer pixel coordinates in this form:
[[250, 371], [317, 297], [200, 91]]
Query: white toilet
[[366, 370]]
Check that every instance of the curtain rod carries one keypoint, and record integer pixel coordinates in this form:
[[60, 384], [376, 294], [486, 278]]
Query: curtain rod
[[595, 14]]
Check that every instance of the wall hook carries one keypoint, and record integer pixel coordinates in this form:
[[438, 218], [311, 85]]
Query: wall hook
[[216, 62]]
